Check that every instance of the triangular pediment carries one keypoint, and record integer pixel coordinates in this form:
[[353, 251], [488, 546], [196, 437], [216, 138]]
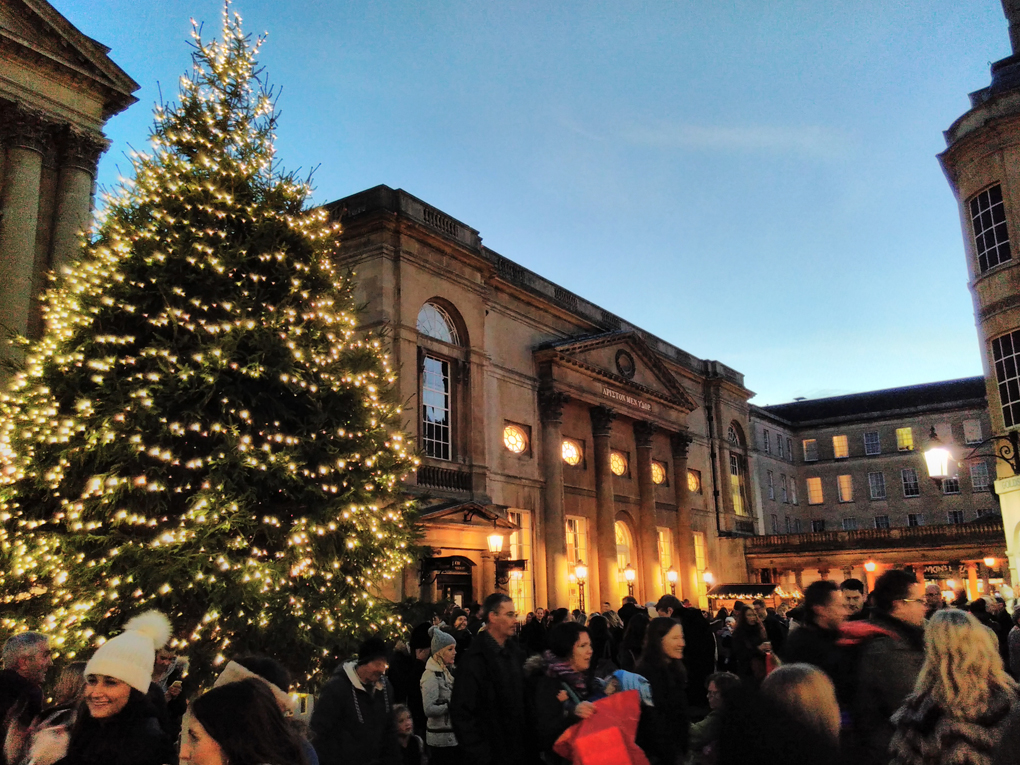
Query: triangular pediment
[[624, 360], [37, 30]]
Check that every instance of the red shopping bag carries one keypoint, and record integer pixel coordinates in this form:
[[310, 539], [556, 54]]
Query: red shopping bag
[[607, 737]]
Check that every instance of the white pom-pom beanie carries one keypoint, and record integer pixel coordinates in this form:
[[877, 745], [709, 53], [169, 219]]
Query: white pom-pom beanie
[[131, 655]]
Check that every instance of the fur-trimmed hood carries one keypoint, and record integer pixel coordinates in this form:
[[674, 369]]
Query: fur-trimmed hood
[[927, 733]]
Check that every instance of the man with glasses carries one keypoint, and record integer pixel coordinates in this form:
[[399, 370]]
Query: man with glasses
[[26, 660], [890, 661]]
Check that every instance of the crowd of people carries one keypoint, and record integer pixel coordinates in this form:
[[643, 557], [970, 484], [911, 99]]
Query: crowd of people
[[896, 676]]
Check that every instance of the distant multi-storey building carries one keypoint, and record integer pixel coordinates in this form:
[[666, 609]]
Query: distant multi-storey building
[[842, 485]]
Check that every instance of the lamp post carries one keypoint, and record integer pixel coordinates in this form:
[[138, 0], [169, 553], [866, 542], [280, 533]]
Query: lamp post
[[495, 542], [630, 575], [581, 572], [1007, 449], [671, 577]]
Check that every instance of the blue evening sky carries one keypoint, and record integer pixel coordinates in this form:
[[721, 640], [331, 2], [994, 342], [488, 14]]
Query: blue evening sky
[[753, 182]]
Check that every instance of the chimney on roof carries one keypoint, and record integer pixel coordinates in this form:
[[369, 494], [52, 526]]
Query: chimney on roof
[[1012, 10]]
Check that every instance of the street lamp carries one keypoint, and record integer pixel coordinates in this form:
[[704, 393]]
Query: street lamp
[[870, 566], [495, 540], [671, 577], [630, 575], [707, 576], [581, 572], [989, 561], [1007, 449]]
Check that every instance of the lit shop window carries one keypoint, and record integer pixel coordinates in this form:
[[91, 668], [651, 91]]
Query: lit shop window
[[658, 473], [618, 463], [571, 451], [515, 439]]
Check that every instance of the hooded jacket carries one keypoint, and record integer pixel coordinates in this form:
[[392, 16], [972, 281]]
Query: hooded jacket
[[354, 724]]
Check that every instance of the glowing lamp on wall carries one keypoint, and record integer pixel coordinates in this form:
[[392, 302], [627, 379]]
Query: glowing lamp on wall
[[989, 561], [870, 566], [495, 540], [707, 576], [937, 457]]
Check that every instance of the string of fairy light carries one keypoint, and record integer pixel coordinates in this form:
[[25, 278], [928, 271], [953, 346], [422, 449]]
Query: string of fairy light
[[148, 500]]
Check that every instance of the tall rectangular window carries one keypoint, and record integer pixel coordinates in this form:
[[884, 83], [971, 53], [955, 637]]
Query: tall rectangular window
[[876, 485], [951, 485], [881, 521], [991, 235], [840, 447], [845, 483], [789, 526], [766, 440], [1005, 354], [435, 408], [701, 564], [775, 523], [784, 488], [911, 488], [979, 476], [789, 449], [665, 537], [818, 525], [797, 526], [905, 439], [815, 496], [955, 516], [915, 519], [810, 450], [521, 587], [872, 443], [779, 447], [738, 485], [793, 490], [577, 549], [771, 481], [849, 524], [973, 432]]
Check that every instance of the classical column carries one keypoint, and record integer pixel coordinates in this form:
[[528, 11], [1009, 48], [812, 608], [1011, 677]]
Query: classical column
[[25, 136], [972, 580], [78, 160], [550, 405], [648, 531], [488, 582], [605, 526], [688, 563]]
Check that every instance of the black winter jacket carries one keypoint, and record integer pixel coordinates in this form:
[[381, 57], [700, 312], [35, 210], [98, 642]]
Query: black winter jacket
[[131, 737], [352, 725], [487, 708], [664, 729]]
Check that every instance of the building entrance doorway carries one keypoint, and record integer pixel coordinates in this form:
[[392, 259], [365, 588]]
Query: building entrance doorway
[[456, 588]]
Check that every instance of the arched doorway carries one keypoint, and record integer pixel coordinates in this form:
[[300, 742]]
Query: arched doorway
[[625, 553]]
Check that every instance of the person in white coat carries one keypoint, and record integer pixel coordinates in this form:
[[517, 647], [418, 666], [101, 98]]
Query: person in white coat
[[436, 691]]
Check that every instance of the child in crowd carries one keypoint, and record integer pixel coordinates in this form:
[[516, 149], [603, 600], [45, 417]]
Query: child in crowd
[[412, 751]]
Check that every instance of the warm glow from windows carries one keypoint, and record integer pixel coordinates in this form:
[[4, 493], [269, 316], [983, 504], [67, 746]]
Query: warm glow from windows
[[658, 473], [905, 439], [814, 491], [515, 439], [571, 452], [694, 481], [840, 447], [618, 463], [846, 488]]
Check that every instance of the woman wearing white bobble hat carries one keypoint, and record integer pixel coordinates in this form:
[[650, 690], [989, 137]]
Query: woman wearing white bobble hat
[[436, 691], [117, 725]]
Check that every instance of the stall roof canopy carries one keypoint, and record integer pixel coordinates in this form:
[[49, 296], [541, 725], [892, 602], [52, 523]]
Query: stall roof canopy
[[742, 591]]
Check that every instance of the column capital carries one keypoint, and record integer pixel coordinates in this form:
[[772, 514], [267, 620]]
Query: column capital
[[602, 420], [26, 129], [681, 442], [550, 404], [643, 432], [81, 149]]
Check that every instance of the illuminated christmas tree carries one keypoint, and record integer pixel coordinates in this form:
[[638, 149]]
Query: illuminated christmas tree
[[201, 429]]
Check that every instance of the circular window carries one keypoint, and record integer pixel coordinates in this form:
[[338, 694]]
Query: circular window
[[658, 473], [618, 463], [571, 452], [694, 481], [625, 364], [515, 439]]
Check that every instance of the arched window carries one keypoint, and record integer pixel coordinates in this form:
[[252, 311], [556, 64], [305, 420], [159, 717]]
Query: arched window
[[624, 549], [738, 470], [735, 434], [434, 321]]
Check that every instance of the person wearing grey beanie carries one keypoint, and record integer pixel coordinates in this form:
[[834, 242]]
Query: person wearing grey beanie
[[436, 691]]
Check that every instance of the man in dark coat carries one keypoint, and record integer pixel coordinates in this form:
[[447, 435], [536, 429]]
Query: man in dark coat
[[889, 661], [26, 660], [815, 641], [487, 708], [774, 627], [353, 717], [533, 633], [405, 674]]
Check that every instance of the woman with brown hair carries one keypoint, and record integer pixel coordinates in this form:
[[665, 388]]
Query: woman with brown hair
[[749, 647]]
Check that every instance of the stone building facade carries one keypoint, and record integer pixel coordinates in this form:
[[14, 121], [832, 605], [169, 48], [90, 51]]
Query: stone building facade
[[982, 164], [549, 420], [842, 483], [57, 90]]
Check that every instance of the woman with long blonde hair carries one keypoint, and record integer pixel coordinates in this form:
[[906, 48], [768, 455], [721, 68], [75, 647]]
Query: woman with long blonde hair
[[963, 700]]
